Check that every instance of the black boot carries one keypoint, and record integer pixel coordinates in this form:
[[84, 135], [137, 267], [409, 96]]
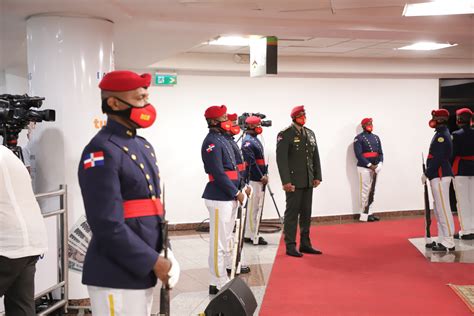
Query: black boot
[[213, 290], [291, 251], [467, 237], [441, 247]]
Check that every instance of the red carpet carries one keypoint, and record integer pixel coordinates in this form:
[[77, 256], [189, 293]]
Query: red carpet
[[366, 269]]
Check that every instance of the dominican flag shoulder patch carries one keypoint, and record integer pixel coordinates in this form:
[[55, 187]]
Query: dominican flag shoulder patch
[[94, 159], [210, 148]]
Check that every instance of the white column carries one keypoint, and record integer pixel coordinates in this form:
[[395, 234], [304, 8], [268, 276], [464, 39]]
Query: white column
[[67, 57]]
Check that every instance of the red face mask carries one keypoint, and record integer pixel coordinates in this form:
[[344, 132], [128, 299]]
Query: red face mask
[[369, 128], [226, 125], [143, 117], [258, 130], [432, 123], [301, 120], [235, 130]]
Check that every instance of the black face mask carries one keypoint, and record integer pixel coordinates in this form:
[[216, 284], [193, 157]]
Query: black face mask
[[123, 113]]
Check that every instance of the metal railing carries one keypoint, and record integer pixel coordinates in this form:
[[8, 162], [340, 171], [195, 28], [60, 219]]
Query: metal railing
[[62, 235]]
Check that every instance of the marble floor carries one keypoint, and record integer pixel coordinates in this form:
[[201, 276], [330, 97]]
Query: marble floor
[[464, 251]]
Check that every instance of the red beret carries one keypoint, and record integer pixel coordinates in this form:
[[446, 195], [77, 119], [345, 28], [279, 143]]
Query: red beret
[[464, 111], [232, 117], [124, 80], [366, 120], [253, 120], [440, 112], [215, 111], [297, 110]]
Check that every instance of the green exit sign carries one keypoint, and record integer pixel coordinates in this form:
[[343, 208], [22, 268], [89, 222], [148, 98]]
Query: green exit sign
[[165, 79]]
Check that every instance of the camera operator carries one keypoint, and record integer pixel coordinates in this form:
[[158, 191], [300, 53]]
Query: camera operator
[[22, 235], [253, 152]]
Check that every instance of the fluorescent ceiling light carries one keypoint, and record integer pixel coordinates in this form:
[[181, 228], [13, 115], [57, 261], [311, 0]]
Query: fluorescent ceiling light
[[230, 41], [426, 46], [439, 7]]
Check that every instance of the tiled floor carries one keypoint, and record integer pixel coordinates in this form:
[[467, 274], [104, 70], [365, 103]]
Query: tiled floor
[[464, 251], [190, 297]]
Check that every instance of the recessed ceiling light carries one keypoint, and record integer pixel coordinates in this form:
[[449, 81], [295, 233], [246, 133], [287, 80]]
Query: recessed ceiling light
[[230, 41], [439, 7], [426, 46]]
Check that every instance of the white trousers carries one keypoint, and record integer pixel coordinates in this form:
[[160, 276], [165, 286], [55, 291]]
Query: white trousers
[[120, 302], [442, 210], [254, 207], [365, 182], [464, 187], [221, 224]]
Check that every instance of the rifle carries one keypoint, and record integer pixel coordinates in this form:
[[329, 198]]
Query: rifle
[[428, 243], [165, 289], [238, 241], [371, 193]]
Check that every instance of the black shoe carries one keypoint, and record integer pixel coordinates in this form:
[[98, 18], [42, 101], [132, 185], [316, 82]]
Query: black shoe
[[261, 241], [372, 218], [291, 251], [456, 236], [310, 250], [430, 245], [248, 240], [213, 290], [243, 270], [440, 247], [467, 237]]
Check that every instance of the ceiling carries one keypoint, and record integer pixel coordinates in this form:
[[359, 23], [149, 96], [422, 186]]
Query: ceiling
[[147, 31]]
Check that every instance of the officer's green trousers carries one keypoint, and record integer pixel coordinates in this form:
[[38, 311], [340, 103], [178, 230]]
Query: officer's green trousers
[[298, 205]]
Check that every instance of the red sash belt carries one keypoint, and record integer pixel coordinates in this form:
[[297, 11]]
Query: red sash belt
[[430, 156], [242, 166], [145, 207], [457, 159], [260, 162], [232, 174], [370, 154]]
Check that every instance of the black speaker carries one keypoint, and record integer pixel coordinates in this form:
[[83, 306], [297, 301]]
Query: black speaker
[[234, 299]]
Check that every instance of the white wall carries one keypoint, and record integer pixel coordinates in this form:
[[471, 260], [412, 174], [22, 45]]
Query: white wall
[[400, 108]]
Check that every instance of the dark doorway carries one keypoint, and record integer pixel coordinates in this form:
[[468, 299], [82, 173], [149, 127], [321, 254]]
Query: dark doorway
[[455, 94]]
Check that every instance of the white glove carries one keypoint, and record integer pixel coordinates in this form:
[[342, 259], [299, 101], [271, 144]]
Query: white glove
[[245, 200], [175, 270], [423, 179], [379, 167], [251, 190]]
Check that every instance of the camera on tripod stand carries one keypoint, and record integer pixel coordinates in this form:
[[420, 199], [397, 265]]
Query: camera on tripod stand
[[263, 123], [16, 111]]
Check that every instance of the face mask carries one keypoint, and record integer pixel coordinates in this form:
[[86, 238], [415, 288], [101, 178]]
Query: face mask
[[235, 130], [369, 128], [258, 130], [144, 117], [226, 125], [301, 120], [432, 123]]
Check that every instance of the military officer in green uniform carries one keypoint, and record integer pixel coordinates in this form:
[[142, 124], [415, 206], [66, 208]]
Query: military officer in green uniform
[[300, 172]]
